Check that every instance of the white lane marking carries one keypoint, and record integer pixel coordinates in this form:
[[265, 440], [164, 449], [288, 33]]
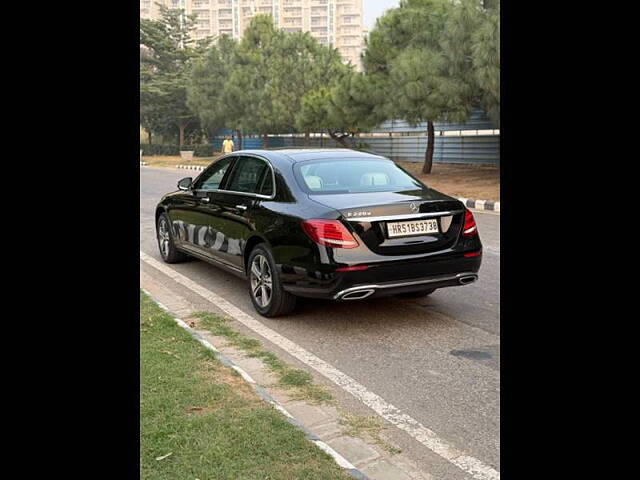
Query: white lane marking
[[476, 468]]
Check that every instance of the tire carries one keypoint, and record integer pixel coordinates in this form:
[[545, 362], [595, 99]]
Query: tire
[[166, 245], [417, 294], [265, 288]]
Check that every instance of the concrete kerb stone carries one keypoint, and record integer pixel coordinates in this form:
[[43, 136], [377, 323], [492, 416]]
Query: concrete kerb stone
[[488, 205], [192, 167], [384, 470], [354, 448]]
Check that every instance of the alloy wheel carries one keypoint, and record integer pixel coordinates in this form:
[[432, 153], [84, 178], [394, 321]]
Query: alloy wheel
[[163, 238], [261, 281]]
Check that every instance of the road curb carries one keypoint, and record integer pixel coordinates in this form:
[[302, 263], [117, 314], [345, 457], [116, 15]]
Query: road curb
[[262, 393], [488, 205], [192, 167]]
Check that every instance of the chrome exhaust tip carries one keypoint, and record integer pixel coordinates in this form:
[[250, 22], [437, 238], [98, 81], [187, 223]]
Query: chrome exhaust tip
[[467, 279], [358, 294]]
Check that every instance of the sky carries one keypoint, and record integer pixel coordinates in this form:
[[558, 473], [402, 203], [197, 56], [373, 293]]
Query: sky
[[374, 8]]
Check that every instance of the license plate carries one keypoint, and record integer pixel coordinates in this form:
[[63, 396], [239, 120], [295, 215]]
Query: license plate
[[416, 227]]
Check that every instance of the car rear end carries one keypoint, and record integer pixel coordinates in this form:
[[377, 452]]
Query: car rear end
[[386, 233]]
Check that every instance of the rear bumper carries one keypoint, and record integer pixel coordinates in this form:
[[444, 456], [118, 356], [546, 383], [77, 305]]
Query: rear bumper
[[387, 279], [360, 292]]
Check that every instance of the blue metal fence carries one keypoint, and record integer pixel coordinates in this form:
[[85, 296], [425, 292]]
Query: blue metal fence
[[404, 142], [472, 149], [478, 149], [478, 120]]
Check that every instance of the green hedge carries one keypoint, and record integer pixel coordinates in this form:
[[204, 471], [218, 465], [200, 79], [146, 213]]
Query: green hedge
[[174, 150]]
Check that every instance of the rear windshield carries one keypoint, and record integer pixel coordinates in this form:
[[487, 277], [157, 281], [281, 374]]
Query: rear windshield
[[353, 176]]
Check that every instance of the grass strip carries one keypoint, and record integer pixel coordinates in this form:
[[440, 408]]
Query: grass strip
[[300, 382], [200, 420], [366, 427]]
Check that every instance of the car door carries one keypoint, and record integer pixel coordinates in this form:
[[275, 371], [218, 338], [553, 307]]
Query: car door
[[231, 206], [191, 217]]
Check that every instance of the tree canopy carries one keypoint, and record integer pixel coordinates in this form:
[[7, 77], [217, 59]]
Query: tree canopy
[[166, 49], [427, 58], [425, 61], [258, 84]]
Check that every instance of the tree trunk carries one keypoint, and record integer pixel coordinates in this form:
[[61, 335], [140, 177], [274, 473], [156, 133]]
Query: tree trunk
[[265, 141], [339, 138], [428, 156], [149, 137], [306, 139], [239, 135], [181, 127]]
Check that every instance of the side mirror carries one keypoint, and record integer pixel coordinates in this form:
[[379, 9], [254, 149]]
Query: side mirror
[[185, 183]]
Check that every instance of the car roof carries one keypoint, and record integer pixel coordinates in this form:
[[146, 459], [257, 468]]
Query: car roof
[[295, 155]]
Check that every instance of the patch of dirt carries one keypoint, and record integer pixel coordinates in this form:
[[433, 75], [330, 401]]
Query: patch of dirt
[[193, 322], [467, 181], [229, 377], [197, 411]]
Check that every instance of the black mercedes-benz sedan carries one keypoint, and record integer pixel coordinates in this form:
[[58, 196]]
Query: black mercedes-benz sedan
[[336, 224]]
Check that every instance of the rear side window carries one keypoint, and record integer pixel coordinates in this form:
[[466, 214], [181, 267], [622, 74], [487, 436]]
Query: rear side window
[[267, 183], [352, 176], [248, 176], [211, 179]]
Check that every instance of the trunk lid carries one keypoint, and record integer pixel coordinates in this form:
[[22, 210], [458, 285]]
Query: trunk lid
[[369, 214]]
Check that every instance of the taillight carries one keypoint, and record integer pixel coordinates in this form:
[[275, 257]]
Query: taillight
[[470, 228], [331, 233]]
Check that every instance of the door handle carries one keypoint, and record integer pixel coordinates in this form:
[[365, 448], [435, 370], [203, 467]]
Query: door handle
[[241, 207], [205, 199]]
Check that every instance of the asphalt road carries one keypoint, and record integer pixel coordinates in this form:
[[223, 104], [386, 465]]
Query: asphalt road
[[437, 358]]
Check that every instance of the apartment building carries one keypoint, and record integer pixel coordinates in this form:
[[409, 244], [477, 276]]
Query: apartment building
[[332, 22]]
